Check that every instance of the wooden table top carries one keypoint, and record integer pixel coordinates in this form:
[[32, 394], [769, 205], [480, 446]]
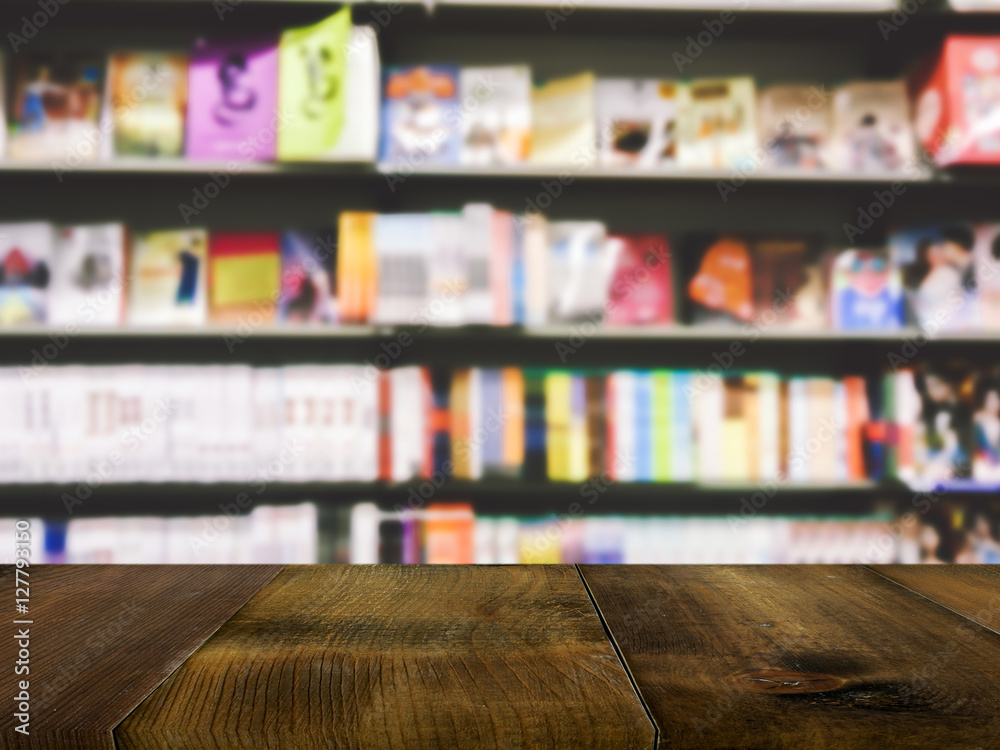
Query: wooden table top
[[557, 656]]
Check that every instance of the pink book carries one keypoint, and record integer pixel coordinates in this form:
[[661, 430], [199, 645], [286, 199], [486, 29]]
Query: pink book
[[233, 99], [642, 290]]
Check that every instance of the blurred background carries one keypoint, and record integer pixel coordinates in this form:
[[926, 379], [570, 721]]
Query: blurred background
[[644, 281]]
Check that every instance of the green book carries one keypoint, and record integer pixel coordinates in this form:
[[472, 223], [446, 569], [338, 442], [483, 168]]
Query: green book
[[312, 82], [661, 425]]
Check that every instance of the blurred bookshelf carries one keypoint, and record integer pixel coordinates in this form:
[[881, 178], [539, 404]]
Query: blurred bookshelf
[[773, 41]]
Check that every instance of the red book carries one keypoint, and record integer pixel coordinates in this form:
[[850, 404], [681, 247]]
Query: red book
[[244, 276], [642, 288]]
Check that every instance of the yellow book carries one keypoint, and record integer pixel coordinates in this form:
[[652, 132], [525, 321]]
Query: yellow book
[[357, 276], [540, 544], [557, 416], [661, 425], [564, 125], [577, 447], [458, 407]]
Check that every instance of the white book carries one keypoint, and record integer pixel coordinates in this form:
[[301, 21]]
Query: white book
[[508, 541], [403, 246], [358, 139], [407, 422], [88, 276], [536, 270], [496, 128], [485, 541], [478, 243], [625, 458], [365, 518], [709, 410], [581, 264], [769, 439], [637, 122], [26, 255], [798, 431], [448, 272]]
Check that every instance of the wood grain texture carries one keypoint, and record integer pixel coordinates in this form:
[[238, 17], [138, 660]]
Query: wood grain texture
[[970, 590], [799, 657], [402, 657], [104, 636]]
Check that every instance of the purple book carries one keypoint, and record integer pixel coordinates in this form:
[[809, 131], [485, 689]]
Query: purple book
[[233, 99]]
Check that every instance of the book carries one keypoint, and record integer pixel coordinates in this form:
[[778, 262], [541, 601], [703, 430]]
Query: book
[[871, 128], [233, 105], [357, 270], [939, 276], [794, 126], [580, 270], [957, 113], [168, 278], [637, 122], [312, 87], [987, 264], [358, 140], [448, 272], [535, 262], [477, 242], [148, 95], [420, 116], [986, 427], [866, 291], [403, 244], [26, 258], [56, 107], [641, 291], [496, 127], [718, 123], [244, 277], [88, 275], [563, 127], [721, 288], [308, 263]]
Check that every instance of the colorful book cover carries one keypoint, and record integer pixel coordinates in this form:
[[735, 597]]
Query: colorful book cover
[[642, 289], [448, 534], [794, 124], [88, 275], [26, 257], [168, 278], [866, 292], [871, 128], [440, 423], [308, 260], [56, 108], [987, 264], [558, 411], [420, 111], [986, 427], [939, 276], [312, 67], [513, 408], [581, 268], [496, 129], [637, 122], [244, 275], [718, 123], [357, 270], [233, 103], [148, 94], [563, 128], [952, 410]]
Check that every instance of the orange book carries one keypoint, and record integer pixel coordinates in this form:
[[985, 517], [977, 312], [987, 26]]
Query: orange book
[[857, 417], [448, 530], [384, 427], [512, 390], [357, 277], [460, 428]]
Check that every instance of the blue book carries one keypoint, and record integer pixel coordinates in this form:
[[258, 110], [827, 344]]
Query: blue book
[[644, 426], [420, 115]]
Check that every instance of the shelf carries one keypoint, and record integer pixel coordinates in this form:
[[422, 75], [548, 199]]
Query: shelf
[[354, 170]]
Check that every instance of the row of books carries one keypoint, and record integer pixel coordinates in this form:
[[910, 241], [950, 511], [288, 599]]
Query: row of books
[[272, 534], [307, 93], [312, 94], [454, 534], [96, 425], [441, 114], [482, 265]]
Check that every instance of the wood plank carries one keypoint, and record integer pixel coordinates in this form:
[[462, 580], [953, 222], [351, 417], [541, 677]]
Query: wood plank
[[104, 636], [805, 656], [402, 656], [971, 590]]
